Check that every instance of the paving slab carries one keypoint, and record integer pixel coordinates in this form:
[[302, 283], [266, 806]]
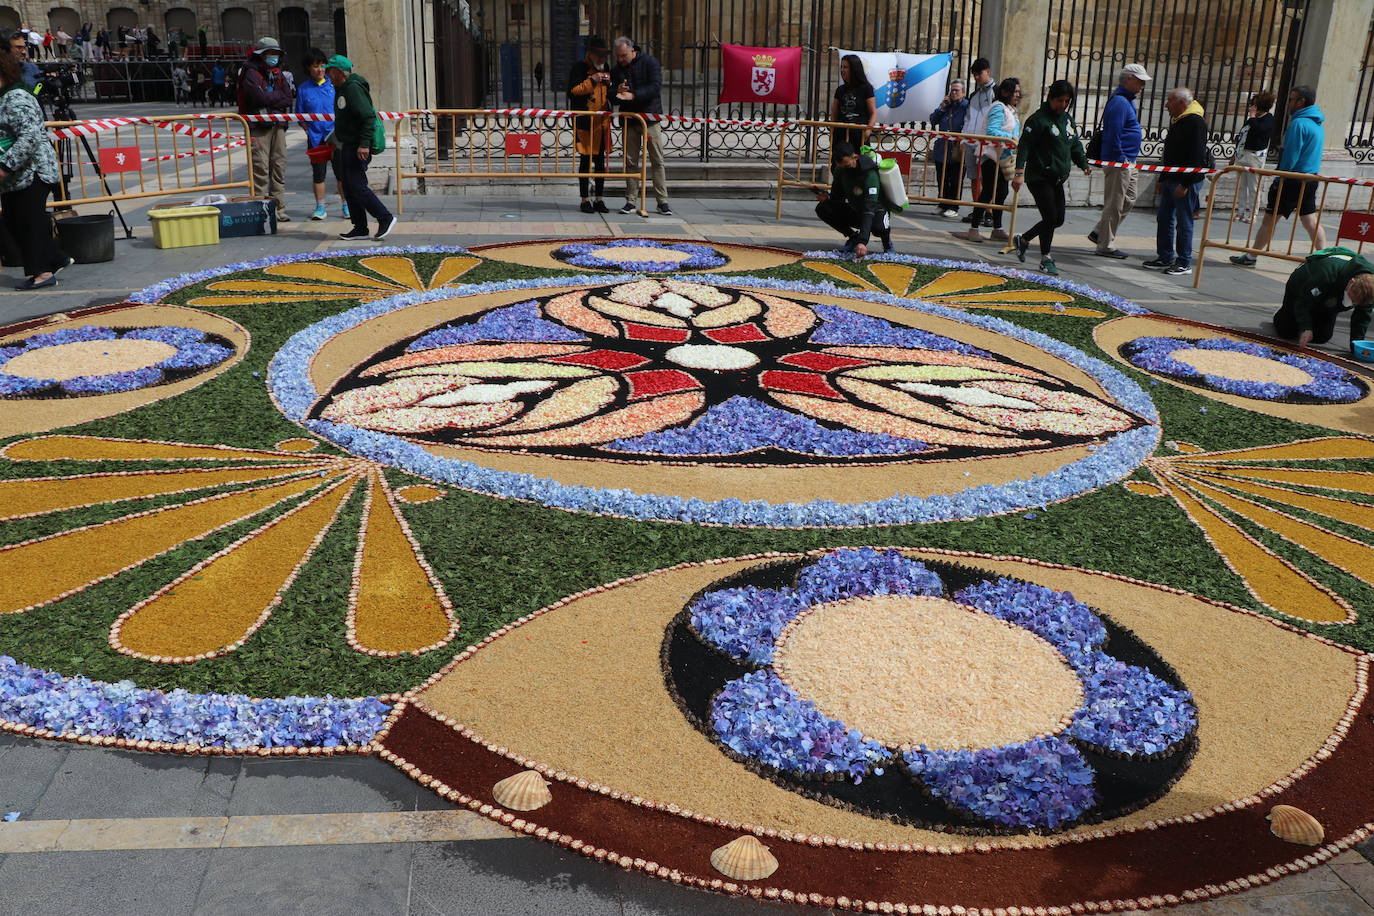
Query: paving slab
[[305, 880], [514, 877], [149, 883]]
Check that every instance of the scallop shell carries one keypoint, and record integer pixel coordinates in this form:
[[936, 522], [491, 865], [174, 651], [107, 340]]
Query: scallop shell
[[522, 792], [744, 859], [1295, 825]]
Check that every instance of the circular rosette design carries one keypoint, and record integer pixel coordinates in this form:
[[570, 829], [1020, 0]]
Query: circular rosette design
[[943, 699], [93, 360], [911, 729], [1246, 369], [645, 255], [662, 376]]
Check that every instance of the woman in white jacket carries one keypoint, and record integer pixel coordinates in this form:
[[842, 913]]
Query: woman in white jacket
[[996, 163]]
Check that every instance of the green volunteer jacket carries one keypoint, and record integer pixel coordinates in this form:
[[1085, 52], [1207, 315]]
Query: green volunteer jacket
[[1318, 287], [355, 117], [1050, 146], [858, 188]]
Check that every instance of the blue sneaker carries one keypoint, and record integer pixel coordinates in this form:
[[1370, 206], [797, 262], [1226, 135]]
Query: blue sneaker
[[320, 212], [345, 212]]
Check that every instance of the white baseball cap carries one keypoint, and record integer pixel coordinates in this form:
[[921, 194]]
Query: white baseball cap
[[1135, 70]]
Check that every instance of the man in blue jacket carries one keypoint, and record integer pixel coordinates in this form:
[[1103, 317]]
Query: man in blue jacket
[[637, 79], [1121, 137], [1302, 152]]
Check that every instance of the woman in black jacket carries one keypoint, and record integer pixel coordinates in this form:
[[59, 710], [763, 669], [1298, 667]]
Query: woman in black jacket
[[589, 89]]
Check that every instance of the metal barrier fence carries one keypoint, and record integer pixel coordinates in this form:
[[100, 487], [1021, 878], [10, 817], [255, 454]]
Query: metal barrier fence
[[1331, 196], [480, 143], [809, 142], [116, 159]]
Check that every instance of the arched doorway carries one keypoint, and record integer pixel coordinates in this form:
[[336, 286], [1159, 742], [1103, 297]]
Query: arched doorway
[[66, 19], [293, 31], [340, 32], [9, 17], [236, 24], [179, 17], [121, 16]]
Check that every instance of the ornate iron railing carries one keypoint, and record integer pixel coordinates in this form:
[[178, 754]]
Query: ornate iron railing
[[1224, 50], [1360, 140]]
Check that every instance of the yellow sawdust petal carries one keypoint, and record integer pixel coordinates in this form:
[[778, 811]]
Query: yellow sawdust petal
[[46, 570], [1360, 516], [216, 606], [419, 494], [957, 281], [400, 271], [896, 277], [1011, 295], [848, 278], [327, 273], [451, 269], [1071, 311], [1142, 488], [398, 607], [1268, 577], [219, 301], [34, 497], [317, 290], [1334, 448], [1349, 481], [1353, 557], [95, 448]]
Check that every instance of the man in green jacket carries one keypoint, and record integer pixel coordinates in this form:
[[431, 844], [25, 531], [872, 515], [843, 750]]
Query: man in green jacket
[[854, 205], [1330, 281], [356, 134]]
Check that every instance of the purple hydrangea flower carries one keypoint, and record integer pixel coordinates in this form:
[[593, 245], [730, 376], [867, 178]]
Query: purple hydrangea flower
[[520, 322], [843, 327], [193, 352], [1329, 382], [588, 254], [1044, 782]]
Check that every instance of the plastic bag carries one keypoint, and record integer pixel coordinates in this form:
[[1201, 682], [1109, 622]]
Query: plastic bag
[[209, 200]]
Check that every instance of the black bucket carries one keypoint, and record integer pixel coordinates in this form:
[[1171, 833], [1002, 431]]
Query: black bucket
[[88, 239]]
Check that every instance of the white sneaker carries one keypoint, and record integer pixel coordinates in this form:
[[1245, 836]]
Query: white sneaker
[[384, 228]]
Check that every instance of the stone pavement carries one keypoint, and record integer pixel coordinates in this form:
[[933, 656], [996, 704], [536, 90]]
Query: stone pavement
[[103, 831]]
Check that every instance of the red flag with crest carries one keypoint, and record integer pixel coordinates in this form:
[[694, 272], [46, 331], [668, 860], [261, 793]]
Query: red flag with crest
[[760, 74]]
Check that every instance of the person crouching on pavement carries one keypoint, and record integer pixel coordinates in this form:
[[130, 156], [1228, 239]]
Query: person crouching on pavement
[[28, 174], [356, 132], [854, 207], [1330, 281]]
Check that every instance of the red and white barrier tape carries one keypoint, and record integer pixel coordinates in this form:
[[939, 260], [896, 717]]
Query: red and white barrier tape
[[100, 125], [235, 144], [291, 117], [1185, 170]]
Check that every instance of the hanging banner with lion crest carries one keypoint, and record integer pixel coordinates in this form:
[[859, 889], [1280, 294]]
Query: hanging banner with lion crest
[[760, 74]]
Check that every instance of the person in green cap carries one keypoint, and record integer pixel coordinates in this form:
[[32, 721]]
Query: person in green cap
[[1330, 281], [357, 134]]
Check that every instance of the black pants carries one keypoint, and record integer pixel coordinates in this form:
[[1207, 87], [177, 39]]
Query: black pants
[[1049, 200], [29, 225], [352, 171], [596, 162], [951, 177], [845, 220], [992, 189]]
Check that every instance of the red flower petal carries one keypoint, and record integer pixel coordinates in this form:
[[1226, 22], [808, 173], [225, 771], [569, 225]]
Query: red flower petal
[[799, 383], [645, 332], [740, 333], [612, 360], [821, 362], [653, 382]]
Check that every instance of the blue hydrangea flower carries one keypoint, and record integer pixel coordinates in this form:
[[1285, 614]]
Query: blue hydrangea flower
[[1329, 382], [1042, 783], [193, 352], [593, 255]]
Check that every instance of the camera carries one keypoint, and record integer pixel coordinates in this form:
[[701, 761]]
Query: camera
[[57, 80]]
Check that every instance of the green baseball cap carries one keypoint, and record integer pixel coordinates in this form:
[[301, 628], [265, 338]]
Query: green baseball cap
[[339, 62]]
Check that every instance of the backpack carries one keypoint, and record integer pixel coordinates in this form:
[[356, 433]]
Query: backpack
[[379, 136]]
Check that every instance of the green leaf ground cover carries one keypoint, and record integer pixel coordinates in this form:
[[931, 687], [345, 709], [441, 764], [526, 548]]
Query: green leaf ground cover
[[500, 559]]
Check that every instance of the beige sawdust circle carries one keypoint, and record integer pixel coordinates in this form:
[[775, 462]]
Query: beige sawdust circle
[[89, 357], [622, 254], [1242, 366], [909, 670]]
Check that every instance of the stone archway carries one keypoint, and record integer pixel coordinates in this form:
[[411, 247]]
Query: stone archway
[[236, 25], [293, 31], [9, 17]]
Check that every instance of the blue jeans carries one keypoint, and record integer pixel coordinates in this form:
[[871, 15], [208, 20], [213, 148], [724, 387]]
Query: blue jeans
[[1174, 238]]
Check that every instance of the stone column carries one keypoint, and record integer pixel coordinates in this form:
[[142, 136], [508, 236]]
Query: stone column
[[382, 49], [1012, 37], [1332, 52]]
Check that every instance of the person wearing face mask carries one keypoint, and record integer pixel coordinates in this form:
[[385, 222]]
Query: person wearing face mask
[[1330, 281], [265, 89]]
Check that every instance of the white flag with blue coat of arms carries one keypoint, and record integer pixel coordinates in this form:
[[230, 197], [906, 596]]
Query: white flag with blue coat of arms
[[906, 87]]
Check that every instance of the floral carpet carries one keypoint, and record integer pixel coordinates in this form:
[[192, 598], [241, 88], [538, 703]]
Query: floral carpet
[[940, 578]]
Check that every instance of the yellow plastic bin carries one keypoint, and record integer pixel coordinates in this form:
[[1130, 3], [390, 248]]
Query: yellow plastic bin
[[182, 227]]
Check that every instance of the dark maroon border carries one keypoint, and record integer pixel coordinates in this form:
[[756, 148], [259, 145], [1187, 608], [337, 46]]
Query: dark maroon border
[[1183, 861]]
